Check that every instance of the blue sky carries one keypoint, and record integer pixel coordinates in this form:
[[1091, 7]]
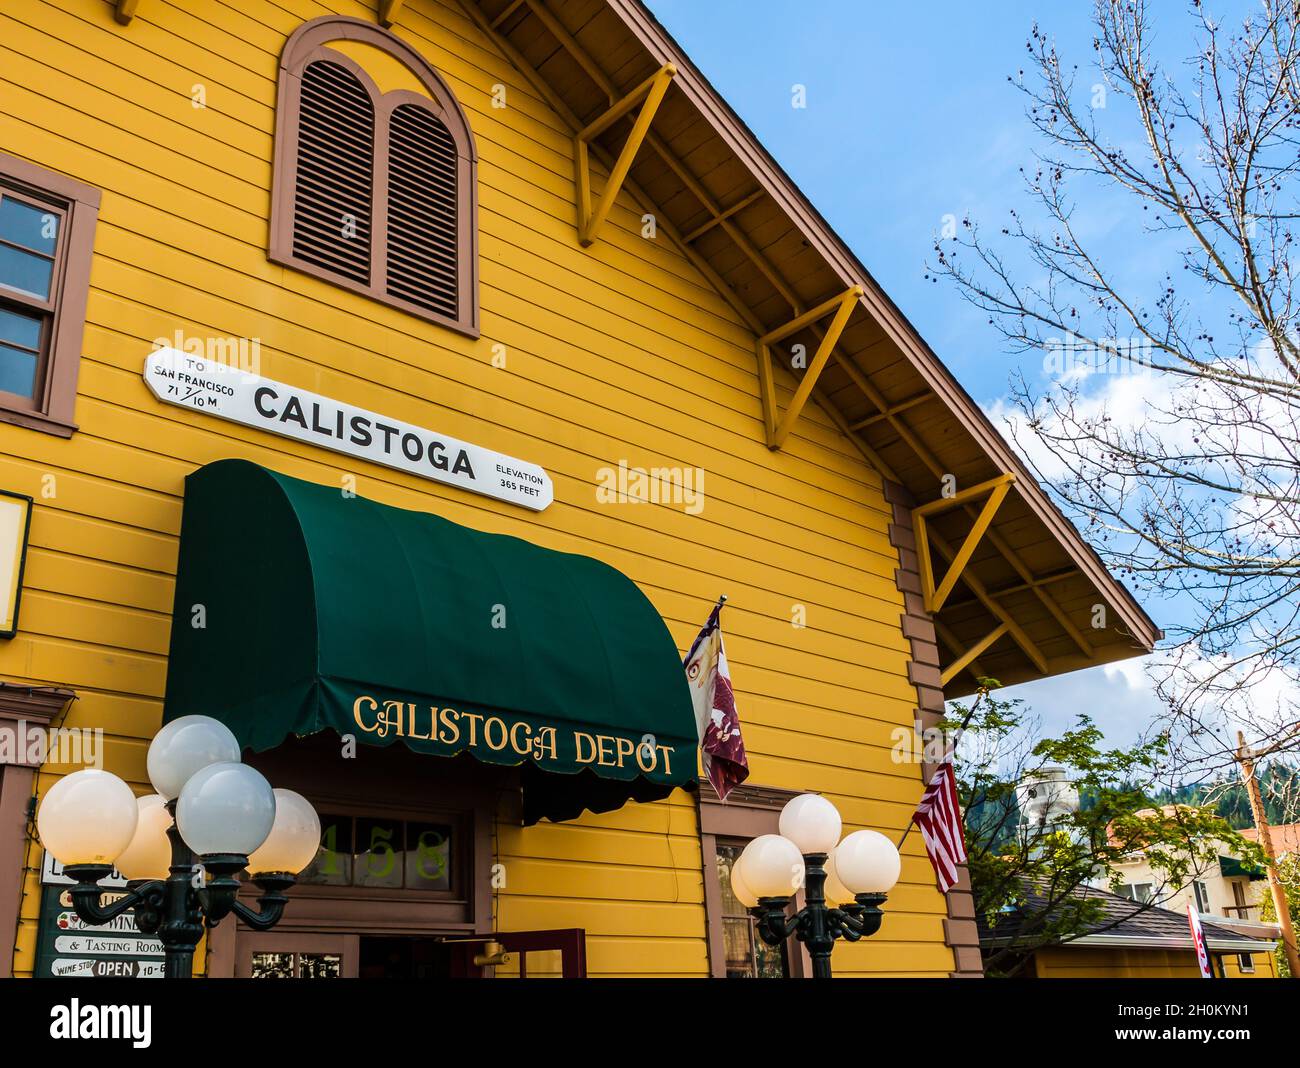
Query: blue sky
[[910, 117]]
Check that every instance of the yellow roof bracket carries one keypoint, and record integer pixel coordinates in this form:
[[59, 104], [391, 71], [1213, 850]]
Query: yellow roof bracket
[[971, 655], [842, 306], [125, 10], [995, 491], [652, 92], [972, 582], [388, 11]]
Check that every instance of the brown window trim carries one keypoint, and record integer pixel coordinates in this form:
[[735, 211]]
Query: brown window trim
[[748, 812], [308, 43], [52, 409]]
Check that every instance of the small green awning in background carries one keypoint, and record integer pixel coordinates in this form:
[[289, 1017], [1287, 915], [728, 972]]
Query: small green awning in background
[[1231, 867], [300, 608]]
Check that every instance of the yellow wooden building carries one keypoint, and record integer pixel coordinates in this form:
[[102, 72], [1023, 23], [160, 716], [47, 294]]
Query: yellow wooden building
[[533, 227]]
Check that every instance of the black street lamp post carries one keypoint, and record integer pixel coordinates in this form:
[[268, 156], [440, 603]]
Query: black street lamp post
[[819, 923], [844, 882], [178, 909], [181, 849]]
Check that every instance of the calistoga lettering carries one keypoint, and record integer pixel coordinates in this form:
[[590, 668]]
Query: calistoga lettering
[[474, 730]]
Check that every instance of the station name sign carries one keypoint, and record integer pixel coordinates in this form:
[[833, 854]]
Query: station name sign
[[190, 381], [451, 730]]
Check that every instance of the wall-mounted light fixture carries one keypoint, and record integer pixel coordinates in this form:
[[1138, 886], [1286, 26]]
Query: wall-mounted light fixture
[[15, 524]]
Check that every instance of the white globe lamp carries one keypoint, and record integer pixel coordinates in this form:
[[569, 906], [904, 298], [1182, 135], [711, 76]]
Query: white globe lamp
[[149, 856], [772, 866], [184, 746], [812, 823], [867, 862], [225, 809], [835, 891], [294, 839], [88, 817], [740, 888]]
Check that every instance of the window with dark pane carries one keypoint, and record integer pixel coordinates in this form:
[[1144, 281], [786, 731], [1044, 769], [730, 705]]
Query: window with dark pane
[[747, 955], [428, 856], [29, 242], [379, 853], [333, 863], [422, 225], [29, 237], [319, 966], [272, 966], [334, 188], [383, 853]]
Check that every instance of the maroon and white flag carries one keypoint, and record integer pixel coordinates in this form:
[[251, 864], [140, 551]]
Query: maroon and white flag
[[939, 818], [1198, 942], [722, 750]]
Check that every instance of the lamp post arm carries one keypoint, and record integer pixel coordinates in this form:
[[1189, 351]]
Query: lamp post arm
[[859, 920], [773, 925], [86, 894], [270, 905], [846, 924]]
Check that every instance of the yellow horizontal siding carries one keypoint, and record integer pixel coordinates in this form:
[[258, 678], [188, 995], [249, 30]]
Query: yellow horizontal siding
[[619, 352], [1096, 962]]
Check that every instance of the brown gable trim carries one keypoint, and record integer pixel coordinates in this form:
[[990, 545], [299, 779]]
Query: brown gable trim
[[308, 43], [959, 932], [850, 271]]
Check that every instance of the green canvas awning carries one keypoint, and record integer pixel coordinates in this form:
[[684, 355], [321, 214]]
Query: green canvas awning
[[301, 609], [1232, 868]]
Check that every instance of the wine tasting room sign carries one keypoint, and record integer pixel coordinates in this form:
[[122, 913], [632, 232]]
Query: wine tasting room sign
[[191, 381]]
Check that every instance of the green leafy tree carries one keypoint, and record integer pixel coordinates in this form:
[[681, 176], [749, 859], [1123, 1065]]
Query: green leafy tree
[[1041, 871], [1288, 870]]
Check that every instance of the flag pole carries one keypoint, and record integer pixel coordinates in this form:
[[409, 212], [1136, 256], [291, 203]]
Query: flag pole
[[947, 757]]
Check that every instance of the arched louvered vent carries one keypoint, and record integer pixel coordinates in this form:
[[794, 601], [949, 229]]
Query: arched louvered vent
[[374, 189], [333, 199], [423, 242]]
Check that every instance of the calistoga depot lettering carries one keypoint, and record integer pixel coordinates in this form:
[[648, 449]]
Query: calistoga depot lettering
[[459, 730]]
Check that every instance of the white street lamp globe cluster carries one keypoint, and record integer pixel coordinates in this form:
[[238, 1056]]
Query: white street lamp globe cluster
[[772, 865], [222, 807]]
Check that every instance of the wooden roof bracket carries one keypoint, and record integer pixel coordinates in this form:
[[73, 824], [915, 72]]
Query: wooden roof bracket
[[893, 410], [995, 491], [506, 12], [651, 91], [124, 11], [388, 11], [970, 656], [972, 582], [842, 306]]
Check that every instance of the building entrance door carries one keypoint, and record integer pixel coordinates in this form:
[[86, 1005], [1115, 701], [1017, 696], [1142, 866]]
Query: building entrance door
[[326, 955]]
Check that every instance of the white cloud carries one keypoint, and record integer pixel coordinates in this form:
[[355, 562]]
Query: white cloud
[[1119, 698]]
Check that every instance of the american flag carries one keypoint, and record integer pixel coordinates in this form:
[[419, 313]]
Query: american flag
[[939, 818], [722, 750]]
